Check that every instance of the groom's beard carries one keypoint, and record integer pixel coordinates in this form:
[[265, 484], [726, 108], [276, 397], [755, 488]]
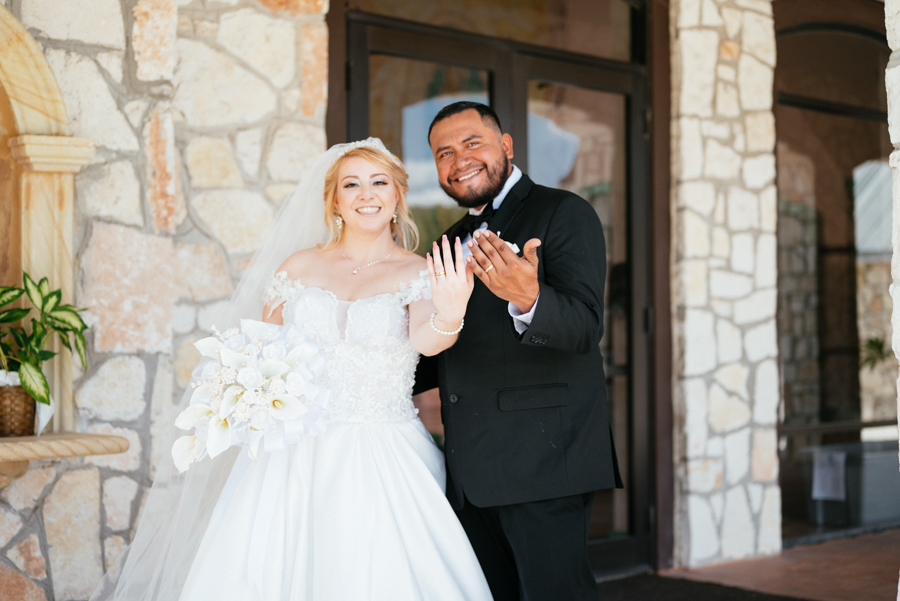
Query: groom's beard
[[497, 175]]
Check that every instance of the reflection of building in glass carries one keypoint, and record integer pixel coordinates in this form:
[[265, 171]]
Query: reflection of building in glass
[[878, 366]]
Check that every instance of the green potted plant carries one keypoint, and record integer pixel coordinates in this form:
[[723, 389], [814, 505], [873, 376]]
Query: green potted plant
[[22, 352]]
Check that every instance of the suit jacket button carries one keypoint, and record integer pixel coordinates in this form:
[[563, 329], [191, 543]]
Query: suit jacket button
[[453, 398]]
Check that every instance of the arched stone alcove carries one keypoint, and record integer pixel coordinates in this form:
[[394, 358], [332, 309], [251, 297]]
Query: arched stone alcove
[[38, 160]]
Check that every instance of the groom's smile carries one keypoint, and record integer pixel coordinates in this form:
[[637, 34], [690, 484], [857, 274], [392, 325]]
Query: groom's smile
[[470, 175]]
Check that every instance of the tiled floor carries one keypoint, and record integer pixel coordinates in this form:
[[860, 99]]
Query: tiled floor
[[864, 568]]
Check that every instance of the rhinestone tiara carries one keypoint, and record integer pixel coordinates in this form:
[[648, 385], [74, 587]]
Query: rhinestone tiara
[[373, 143]]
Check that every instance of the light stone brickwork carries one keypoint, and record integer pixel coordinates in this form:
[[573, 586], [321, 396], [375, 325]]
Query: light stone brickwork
[[205, 113], [724, 263]]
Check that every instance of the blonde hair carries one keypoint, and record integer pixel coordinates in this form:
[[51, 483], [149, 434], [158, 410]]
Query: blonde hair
[[404, 231]]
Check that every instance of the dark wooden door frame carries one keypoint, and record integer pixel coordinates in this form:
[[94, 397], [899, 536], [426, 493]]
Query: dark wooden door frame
[[650, 335], [659, 66]]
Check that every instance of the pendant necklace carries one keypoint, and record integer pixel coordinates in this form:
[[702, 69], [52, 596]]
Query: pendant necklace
[[356, 269]]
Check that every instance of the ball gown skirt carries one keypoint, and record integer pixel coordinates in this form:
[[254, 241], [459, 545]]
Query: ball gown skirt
[[360, 515]]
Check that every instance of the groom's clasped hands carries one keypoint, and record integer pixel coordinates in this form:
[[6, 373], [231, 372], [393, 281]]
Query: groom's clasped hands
[[507, 275]]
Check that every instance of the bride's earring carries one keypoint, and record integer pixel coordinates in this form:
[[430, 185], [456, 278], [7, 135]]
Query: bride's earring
[[395, 217], [339, 221]]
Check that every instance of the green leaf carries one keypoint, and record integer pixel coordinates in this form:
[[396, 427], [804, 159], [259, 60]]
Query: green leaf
[[70, 319], [38, 335], [19, 336], [33, 291], [13, 315], [44, 287], [45, 355], [51, 301], [9, 293], [64, 338], [34, 383], [81, 347]]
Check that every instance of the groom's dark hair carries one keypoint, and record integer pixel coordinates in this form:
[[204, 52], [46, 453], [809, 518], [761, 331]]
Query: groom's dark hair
[[487, 114]]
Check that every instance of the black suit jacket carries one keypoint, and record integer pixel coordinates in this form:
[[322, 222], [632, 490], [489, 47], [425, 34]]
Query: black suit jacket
[[525, 416]]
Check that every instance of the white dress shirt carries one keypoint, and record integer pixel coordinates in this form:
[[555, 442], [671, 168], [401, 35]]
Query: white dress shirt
[[520, 320]]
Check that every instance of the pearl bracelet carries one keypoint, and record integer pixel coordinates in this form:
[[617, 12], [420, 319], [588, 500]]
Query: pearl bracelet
[[444, 332]]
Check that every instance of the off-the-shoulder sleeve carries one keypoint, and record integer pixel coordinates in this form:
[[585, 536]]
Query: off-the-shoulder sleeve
[[281, 289], [417, 289]]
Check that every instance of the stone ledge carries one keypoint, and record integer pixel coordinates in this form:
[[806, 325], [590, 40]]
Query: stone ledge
[[61, 154], [17, 451]]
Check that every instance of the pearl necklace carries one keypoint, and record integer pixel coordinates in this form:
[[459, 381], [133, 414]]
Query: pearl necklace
[[356, 269]]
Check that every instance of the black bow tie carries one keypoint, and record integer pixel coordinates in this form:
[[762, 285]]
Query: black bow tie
[[471, 222]]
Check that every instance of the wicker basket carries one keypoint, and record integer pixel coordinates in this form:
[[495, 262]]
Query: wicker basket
[[16, 412]]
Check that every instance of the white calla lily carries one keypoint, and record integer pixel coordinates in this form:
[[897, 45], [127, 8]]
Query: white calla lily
[[285, 406], [234, 359], [219, 437], [193, 415], [185, 451], [230, 398], [208, 347], [273, 368], [200, 392]]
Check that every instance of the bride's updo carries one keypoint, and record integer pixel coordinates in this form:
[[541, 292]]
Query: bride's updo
[[404, 230]]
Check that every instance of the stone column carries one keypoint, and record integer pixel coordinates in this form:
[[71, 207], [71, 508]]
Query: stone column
[[46, 191], [725, 356], [892, 82]]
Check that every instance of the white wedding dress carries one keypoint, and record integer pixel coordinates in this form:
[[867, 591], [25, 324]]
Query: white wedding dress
[[357, 513]]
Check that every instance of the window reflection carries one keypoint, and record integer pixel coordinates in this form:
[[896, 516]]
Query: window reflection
[[576, 142]]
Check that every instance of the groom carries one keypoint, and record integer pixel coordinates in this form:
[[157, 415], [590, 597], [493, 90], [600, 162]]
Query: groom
[[523, 393]]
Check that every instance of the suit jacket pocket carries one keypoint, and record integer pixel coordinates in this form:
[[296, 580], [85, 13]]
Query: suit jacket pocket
[[533, 397]]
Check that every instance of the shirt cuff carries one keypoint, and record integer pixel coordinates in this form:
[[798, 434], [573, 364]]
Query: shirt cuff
[[522, 320]]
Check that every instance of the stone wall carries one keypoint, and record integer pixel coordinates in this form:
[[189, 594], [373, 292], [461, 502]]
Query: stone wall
[[205, 112], [726, 378]]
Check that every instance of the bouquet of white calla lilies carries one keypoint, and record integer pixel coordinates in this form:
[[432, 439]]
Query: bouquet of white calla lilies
[[258, 386]]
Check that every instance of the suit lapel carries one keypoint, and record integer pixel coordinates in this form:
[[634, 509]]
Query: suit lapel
[[511, 205]]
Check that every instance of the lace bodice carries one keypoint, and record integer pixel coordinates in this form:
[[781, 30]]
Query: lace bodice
[[371, 363]]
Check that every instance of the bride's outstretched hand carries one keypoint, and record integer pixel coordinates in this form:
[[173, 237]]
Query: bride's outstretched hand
[[451, 283]]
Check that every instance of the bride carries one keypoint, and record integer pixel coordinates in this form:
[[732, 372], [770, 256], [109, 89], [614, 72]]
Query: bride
[[357, 512]]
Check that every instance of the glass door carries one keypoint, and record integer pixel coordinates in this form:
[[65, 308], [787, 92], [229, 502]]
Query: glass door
[[577, 125]]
